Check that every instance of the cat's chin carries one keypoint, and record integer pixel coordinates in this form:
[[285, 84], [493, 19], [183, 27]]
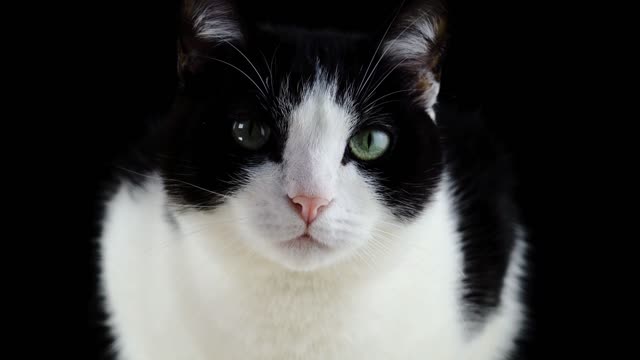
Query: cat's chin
[[305, 243], [306, 253]]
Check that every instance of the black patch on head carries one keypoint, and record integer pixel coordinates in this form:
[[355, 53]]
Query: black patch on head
[[197, 154], [202, 164]]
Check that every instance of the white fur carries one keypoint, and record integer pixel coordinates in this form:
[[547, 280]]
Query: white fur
[[221, 284], [490, 341], [213, 22], [411, 47], [411, 42]]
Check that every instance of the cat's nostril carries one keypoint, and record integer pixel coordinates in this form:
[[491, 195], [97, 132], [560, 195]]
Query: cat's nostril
[[309, 206]]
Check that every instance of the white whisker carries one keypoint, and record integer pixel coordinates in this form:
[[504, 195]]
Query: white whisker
[[250, 63], [200, 188], [242, 72], [388, 47], [384, 78], [378, 47]]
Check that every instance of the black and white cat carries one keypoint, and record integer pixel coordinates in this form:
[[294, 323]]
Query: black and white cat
[[301, 201]]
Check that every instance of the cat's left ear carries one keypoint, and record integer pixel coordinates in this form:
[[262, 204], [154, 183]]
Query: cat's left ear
[[206, 28], [416, 43]]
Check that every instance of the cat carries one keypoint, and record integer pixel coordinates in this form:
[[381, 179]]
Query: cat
[[309, 197]]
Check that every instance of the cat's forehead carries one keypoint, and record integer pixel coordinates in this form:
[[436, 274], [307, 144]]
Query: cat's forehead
[[296, 56], [305, 46], [312, 71]]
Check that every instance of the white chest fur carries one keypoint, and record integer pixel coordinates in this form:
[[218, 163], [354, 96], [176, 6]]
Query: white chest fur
[[190, 292]]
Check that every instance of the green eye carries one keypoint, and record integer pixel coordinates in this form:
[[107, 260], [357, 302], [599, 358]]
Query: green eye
[[369, 144], [250, 134]]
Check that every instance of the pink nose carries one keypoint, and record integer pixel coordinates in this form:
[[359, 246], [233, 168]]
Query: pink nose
[[309, 206]]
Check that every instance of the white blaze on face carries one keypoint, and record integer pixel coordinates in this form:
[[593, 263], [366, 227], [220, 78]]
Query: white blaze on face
[[319, 129]]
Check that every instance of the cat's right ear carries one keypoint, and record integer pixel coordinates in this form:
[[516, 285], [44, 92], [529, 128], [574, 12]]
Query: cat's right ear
[[205, 25]]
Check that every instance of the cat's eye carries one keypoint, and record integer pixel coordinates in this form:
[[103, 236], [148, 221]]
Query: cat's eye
[[369, 144], [251, 134]]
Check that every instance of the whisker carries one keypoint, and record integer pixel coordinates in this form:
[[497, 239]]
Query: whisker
[[242, 72], [393, 41], [250, 63], [192, 206], [380, 244], [378, 47], [270, 78], [273, 57], [364, 256], [380, 231], [200, 188], [384, 78], [372, 103], [372, 108], [391, 224], [140, 174]]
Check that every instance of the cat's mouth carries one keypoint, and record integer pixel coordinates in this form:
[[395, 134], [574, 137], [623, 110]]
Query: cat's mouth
[[305, 242]]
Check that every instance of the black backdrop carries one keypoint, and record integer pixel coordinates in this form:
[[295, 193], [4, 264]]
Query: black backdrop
[[497, 60]]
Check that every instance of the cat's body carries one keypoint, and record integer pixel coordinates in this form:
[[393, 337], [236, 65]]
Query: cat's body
[[281, 244], [174, 298]]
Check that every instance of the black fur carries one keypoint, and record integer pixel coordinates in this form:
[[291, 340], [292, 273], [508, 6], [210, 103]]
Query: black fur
[[484, 193]]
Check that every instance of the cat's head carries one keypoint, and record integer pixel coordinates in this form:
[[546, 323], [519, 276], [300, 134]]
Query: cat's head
[[307, 145]]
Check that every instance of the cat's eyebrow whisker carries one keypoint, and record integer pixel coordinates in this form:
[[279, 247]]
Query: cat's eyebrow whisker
[[250, 63], [387, 49], [371, 109], [362, 84], [242, 72], [372, 103], [384, 78]]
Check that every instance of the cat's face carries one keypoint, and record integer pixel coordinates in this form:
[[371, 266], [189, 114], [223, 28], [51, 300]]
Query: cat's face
[[306, 144]]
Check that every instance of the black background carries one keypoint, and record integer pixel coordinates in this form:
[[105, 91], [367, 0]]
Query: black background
[[501, 58]]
